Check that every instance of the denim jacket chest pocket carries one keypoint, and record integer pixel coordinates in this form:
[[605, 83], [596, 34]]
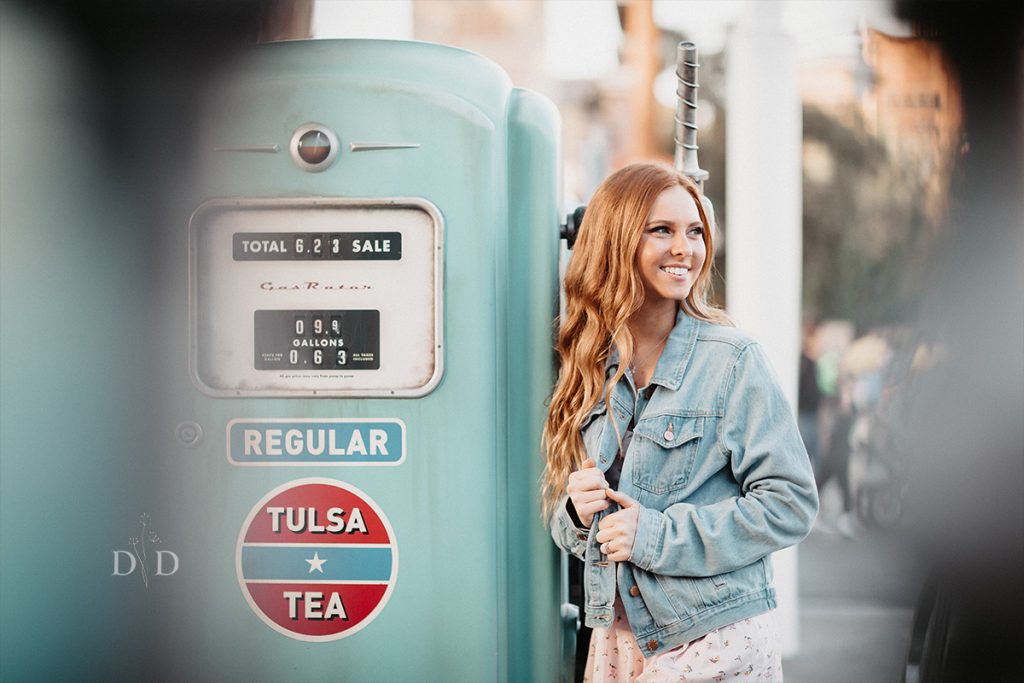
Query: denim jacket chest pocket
[[664, 454]]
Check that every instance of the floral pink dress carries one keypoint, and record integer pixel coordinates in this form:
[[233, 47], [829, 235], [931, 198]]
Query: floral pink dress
[[745, 651]]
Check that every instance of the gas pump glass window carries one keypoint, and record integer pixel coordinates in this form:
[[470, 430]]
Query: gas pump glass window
[[316, 297]]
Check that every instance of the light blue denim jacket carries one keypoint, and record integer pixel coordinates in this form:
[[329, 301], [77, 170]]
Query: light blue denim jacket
[[718, 466]]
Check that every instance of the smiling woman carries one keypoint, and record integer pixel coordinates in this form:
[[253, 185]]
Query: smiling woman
[[674, 464]]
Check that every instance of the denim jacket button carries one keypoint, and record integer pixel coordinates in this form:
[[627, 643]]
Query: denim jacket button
[[634, 591], [652, 645]]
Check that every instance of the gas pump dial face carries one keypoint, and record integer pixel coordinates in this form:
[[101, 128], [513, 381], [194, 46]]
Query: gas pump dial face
[[316, 297], [314, 147]]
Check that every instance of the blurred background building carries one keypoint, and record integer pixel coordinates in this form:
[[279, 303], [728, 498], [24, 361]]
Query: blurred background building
[[879, 111]]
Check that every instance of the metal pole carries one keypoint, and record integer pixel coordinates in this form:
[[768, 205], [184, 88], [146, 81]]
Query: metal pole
[[686, 114], [686, 125]]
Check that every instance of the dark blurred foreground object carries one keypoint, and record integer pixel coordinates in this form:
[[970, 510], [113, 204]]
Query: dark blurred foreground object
[[966, 431], [147, 65], [99, 108]]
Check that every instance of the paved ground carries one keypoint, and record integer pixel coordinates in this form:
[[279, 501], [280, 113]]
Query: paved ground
[[856, 606]]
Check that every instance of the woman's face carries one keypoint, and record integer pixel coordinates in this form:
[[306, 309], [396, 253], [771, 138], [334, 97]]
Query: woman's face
[[671, 252]]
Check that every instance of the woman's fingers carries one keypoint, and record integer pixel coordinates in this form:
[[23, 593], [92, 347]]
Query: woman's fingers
[[618, 555], [586, 480], [621, 498], [617, 548], [590, 496], [588, 509], [586, 488], [588, 500], [617, 531]]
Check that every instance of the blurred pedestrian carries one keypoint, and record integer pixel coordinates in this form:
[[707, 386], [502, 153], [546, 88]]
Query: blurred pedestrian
[[836, 463], [859, 387], [809, 398]]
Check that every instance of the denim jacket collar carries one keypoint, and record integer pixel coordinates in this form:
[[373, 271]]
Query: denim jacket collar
[[674, 359]]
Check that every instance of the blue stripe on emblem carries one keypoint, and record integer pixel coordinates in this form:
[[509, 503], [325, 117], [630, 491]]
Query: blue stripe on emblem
[[304, 563]]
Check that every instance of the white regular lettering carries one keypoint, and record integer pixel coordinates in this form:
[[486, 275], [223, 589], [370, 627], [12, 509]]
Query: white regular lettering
[[279, 442]]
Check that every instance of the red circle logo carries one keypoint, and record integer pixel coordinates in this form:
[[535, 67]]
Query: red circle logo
[[316, 559]]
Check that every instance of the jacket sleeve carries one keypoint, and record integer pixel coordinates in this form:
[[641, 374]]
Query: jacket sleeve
[[568, 535], [778, 499]]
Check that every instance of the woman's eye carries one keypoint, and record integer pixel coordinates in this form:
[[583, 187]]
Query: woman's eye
[[697, 230], [661, 229]]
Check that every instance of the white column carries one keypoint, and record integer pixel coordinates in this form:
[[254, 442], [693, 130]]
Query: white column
[[363, 19], [763, 230]]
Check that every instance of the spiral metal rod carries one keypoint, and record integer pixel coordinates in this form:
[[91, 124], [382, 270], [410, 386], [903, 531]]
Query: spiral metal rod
[[686, 113]]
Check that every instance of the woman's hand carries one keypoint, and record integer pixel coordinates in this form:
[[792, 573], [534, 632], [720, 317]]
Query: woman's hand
[[586, 489], [617, 531]]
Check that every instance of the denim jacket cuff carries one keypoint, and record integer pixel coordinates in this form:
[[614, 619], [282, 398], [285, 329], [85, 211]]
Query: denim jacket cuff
[[568, 535], [650, 535]]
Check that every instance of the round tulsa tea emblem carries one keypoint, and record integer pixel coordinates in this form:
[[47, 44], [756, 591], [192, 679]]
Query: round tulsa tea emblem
[[316, 559]]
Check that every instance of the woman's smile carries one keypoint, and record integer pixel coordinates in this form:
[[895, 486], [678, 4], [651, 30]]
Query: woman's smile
[[678, 271]]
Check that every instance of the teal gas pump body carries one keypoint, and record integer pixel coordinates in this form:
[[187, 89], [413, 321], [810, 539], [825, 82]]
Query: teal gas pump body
[[423, 200], [366, 264]]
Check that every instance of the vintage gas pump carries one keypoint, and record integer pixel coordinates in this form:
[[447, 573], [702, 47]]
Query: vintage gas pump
[[371, 283]]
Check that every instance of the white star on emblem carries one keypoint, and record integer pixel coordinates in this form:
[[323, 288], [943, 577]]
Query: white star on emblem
[[316, 564]]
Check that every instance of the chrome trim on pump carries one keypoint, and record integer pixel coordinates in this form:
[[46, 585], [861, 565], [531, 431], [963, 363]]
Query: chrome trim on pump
[[374, 146], [266, 149]]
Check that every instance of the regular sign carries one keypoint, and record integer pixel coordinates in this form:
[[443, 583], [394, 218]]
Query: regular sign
[[317, 559], [294, 442]]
